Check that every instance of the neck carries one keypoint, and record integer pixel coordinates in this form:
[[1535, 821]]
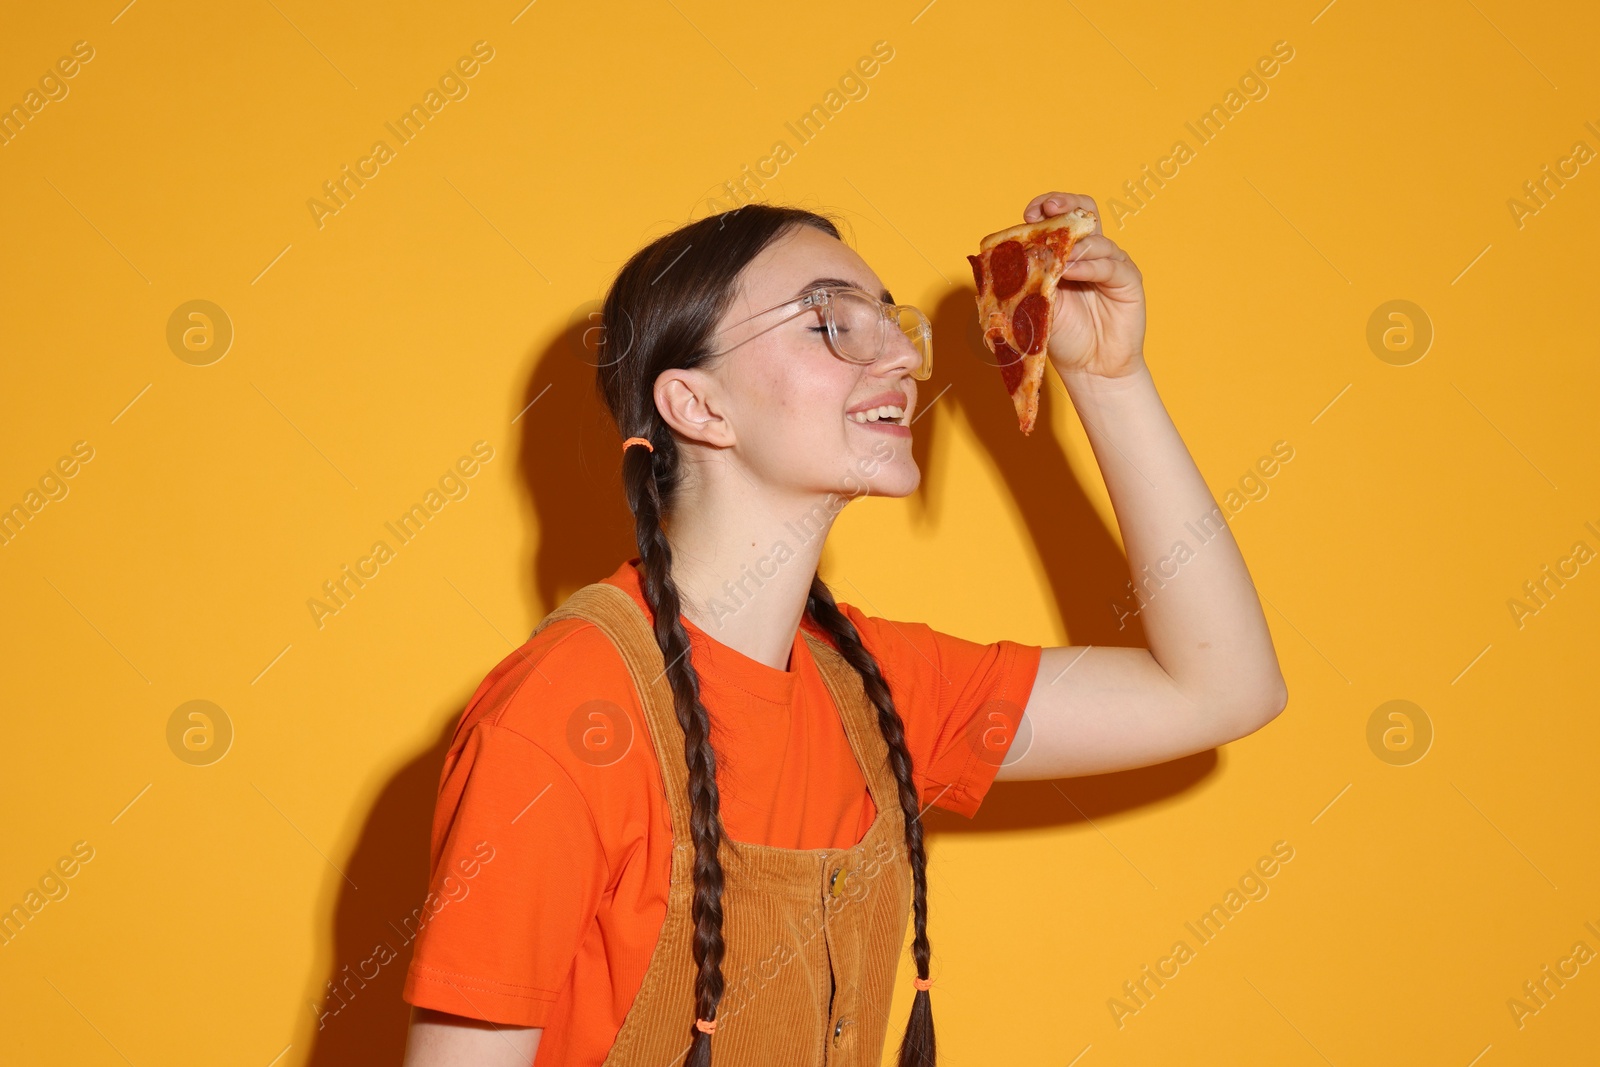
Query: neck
[[743, 561]]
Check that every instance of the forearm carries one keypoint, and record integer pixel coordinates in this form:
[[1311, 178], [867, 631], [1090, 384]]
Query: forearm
[[1192, 591]]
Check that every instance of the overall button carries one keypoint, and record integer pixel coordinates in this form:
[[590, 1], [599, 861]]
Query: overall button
[[838, 1030], [836, 881]]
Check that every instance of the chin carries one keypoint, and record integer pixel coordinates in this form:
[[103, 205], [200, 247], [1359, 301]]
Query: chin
[[894, 483], [887, 469]]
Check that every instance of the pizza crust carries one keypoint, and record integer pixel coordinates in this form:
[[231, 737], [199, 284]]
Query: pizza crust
[[1079, 222]]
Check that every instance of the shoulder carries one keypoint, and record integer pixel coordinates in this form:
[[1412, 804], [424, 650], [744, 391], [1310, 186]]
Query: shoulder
[[955, 696], [942, 683], [564, 708], [536, 686], [902, 648], [880, 637], [894, 638], [915, 649]]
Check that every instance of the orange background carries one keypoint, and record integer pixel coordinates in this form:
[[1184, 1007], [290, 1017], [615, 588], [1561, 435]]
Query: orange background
[[448, 294]]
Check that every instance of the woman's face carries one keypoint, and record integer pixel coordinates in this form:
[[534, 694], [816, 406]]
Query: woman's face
[[788, 397]]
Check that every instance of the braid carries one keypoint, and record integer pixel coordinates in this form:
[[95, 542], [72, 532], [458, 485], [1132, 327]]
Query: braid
[[662, 312], [917, 1047], [705, 819]]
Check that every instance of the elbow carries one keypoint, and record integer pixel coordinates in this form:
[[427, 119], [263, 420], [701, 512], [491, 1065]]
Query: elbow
[[1280, 698], [1277, 696], [1249, 712], [1270, 704]]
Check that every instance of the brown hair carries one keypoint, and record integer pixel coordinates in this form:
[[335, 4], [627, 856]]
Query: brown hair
[[661, 313]]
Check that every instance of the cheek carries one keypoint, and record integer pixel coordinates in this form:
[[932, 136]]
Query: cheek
[[799, 391], [817, 403], [794, 418]]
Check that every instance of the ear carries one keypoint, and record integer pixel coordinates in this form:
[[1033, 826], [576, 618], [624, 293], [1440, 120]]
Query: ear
[[690, 404]]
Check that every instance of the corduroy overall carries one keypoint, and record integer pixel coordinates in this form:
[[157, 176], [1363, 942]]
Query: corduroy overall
[[812, 936]]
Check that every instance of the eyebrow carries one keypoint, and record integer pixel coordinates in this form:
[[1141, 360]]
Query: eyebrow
[[817, 283]]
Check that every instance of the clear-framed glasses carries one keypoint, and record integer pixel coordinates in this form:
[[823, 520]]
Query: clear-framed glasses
[[859, 327]]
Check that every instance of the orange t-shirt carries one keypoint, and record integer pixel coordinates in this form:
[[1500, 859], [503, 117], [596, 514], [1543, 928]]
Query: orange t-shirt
[[551, 843]]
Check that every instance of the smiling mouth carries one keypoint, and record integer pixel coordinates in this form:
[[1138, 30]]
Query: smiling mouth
[[887, 414]]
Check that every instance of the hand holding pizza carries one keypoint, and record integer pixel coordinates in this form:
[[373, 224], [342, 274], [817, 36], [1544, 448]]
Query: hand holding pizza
[[1056, 290], [1099, 315]]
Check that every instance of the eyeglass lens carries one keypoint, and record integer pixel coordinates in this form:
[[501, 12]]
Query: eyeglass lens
[[862, 335]]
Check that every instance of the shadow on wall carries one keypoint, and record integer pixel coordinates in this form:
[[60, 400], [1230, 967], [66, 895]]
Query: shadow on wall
[[1082, 562], [571, 466], [570, 461], [354, 1009]]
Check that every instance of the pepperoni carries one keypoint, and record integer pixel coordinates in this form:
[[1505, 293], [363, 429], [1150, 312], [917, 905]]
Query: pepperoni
[[1008, 263], [977, 272], [1030, 323], [1010, 362]]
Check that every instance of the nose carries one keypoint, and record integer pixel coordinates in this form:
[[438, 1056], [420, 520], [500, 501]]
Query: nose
[[899, 352]]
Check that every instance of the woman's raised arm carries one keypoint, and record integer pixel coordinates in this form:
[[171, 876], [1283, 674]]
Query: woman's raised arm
[[1210, 674]]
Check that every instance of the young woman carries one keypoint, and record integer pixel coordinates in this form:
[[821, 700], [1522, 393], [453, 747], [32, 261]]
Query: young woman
[[682, 822]]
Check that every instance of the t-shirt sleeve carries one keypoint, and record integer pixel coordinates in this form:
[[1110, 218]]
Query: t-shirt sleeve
[[517, 872], [961, 701]]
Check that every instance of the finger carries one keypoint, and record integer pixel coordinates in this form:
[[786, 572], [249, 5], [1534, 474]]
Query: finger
[[1095, 246], [1048, 205], [1102, 270]]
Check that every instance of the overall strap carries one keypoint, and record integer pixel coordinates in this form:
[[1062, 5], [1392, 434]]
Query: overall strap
[[859, 716], [621, 619]]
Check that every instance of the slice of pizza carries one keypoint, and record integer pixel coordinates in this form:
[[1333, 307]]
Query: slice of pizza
[[1016, 271]]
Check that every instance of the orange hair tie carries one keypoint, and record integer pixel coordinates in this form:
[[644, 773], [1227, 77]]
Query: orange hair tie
[[706, 1026], [922, 983], [639, 441]]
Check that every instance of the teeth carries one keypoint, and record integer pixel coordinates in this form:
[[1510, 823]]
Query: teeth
[[871, 414]]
